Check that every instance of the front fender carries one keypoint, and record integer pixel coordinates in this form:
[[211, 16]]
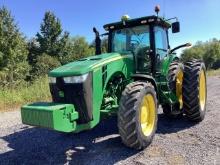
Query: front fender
[[145, 78]]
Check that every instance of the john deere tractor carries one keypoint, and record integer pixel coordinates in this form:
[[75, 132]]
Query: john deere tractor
[[139, 73]]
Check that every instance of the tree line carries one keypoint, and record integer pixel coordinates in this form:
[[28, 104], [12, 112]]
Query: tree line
[[26, 60], [208, 51], [23, 59]]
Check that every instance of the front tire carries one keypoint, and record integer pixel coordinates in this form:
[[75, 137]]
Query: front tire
[[194, 90], [137, 115]]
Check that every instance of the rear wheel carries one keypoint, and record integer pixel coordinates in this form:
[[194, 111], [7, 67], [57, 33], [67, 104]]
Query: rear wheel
[[175, 79], [137, 115], [194, 90]]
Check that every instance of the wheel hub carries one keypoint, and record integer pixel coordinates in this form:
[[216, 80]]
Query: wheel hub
[[147, 115], [202, 90], [179, 82]]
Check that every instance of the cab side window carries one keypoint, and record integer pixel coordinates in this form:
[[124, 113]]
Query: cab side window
[[161, 43]]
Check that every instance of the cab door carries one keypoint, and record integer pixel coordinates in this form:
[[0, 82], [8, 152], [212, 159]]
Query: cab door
[[161, 46]]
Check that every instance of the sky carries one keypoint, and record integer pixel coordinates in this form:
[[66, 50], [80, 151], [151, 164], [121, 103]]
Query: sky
[[199, 19]]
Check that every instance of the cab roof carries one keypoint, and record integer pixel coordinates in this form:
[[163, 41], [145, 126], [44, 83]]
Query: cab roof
[[138, 21]]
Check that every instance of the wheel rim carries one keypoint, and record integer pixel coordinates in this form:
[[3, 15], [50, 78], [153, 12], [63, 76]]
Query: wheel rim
[[179, 83], [147, 115], [202, 90]]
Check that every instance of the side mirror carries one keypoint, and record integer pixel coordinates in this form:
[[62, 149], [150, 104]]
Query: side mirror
[[176, 27]]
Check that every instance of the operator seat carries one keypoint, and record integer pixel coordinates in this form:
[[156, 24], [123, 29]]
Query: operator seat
[[143, 59]]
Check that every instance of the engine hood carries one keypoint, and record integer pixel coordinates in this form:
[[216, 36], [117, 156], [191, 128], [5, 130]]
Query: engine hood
[[85, 65]]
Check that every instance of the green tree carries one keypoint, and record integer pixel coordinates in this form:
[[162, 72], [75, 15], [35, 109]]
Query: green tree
[[51, 44], [13, 50], [51, 37], [44, 64], [79, 48], [208, 51], [196, 51], [104, 45], [34, 51], [212, 53], [216, 64]]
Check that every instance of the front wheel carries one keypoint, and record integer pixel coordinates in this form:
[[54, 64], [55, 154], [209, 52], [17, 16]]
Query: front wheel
[[137, 115]]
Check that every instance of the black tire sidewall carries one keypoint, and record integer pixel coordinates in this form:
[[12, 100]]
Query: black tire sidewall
[[191, 93]]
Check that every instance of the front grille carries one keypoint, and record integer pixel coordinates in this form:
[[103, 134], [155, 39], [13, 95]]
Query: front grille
[[78, 94]]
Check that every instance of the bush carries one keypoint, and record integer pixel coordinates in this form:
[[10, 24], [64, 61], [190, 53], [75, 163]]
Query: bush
[[44, 64]]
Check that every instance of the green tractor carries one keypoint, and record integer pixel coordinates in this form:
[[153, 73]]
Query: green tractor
[[139, 73]]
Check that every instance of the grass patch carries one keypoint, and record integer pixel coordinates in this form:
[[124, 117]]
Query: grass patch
[[26, 93], [213, 72]]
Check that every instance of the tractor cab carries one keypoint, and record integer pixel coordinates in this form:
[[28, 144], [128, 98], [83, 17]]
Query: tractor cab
[[146, 38]]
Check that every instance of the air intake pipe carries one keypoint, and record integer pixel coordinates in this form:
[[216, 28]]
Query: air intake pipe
[[97, 42]]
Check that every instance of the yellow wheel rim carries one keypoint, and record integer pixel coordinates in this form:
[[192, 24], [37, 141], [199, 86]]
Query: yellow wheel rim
[[202, 90], [147, 114], [179, 82]]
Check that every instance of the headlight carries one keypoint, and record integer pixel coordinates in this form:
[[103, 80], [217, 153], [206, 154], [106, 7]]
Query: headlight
[[75, 79], [52, 80]]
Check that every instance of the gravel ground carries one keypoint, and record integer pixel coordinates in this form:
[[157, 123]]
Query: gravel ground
[[177, 141]]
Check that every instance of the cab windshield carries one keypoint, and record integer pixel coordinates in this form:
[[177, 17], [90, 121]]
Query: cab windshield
[[130, 39]]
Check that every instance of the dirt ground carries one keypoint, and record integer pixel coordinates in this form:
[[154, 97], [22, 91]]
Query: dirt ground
[[177, 141]]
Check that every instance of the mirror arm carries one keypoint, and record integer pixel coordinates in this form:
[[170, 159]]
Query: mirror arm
[[180, 46], [172, 19], [104, 34]]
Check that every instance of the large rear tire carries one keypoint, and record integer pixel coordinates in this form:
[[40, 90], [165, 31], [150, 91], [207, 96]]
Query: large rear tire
[[175, 79], [194, 90], [137, 115]]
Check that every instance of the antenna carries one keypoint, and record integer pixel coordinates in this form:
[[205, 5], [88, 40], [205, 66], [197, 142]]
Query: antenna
[[164, 8]]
